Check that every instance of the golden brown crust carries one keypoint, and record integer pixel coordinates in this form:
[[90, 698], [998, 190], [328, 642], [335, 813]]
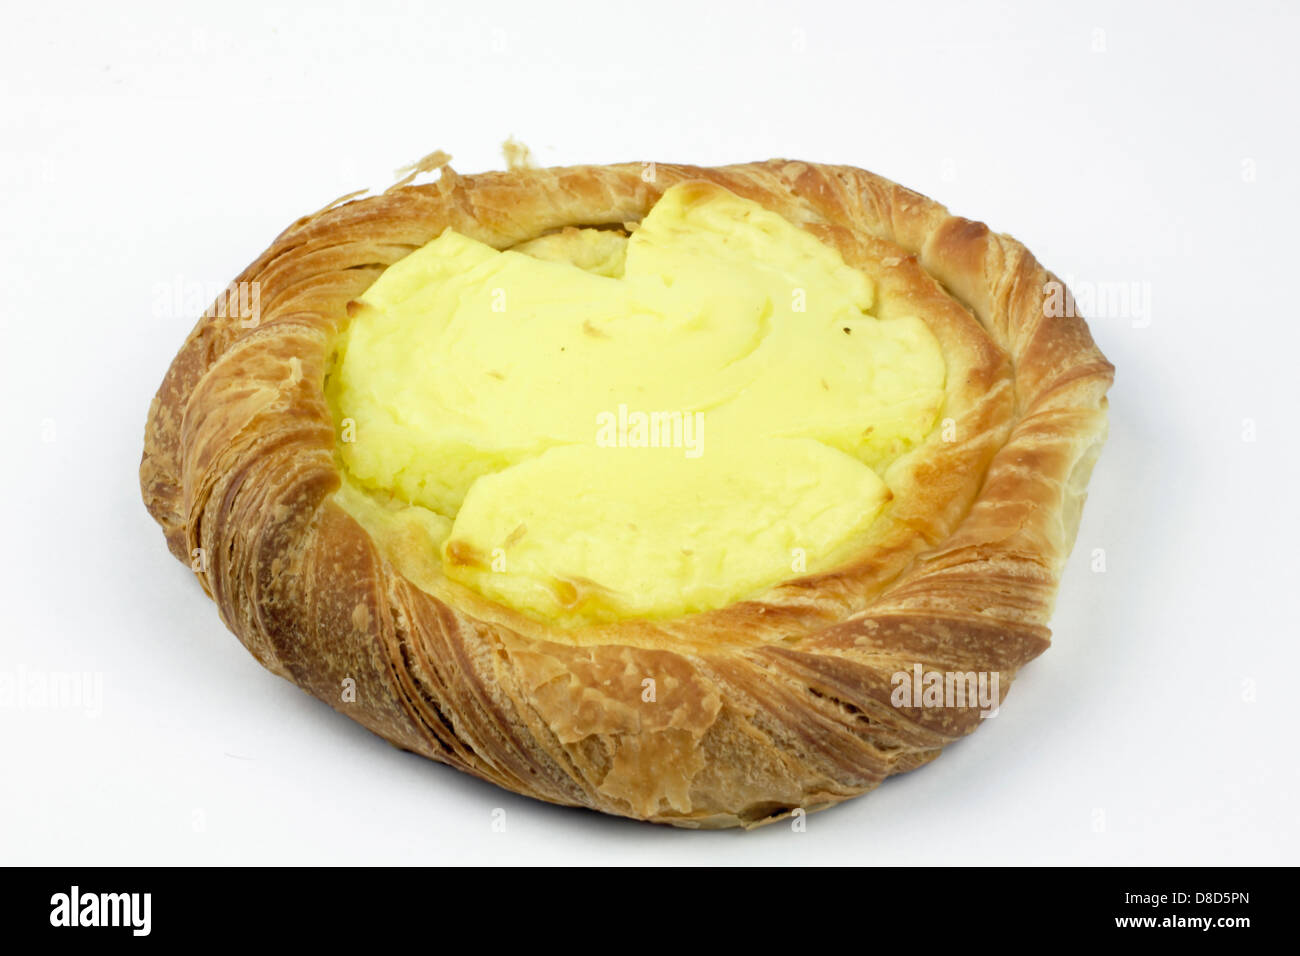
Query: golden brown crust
[[772, 704]]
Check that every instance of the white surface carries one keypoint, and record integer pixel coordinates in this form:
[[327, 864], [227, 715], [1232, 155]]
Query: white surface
[[141, 144]]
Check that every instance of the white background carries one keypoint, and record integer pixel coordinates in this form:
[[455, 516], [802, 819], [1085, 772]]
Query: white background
[[1123, 143]]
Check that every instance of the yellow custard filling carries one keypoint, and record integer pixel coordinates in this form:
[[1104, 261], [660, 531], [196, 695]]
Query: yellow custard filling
[[593, 426]]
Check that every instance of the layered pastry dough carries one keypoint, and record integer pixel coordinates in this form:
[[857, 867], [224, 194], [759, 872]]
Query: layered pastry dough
[[635, 491]]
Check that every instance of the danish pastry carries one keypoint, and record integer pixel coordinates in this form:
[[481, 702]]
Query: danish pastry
[[648, 488]]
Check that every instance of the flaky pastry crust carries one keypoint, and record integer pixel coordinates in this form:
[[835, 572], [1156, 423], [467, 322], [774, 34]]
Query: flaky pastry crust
[[772, 704]]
